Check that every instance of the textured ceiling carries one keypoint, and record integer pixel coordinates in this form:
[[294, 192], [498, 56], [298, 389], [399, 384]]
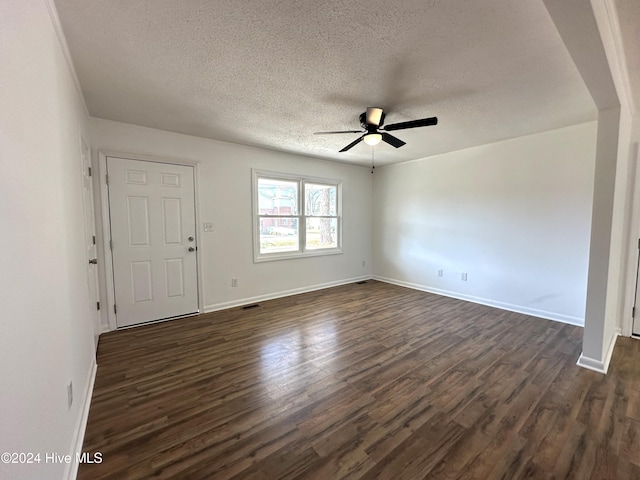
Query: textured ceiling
[[269, 73]]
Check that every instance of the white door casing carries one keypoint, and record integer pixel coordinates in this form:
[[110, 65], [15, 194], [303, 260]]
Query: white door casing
[[90, 241], [153, 234], [635, 329], [634, 243]]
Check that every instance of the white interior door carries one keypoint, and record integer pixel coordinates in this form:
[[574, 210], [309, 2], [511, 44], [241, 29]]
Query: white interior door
[[90, 242], [153, 233]]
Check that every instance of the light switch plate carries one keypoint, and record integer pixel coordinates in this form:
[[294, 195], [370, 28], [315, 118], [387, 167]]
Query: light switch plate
[[208, 227]]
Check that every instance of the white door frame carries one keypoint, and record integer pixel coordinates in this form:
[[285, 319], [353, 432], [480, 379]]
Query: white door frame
[[632, 245], [106, 224]]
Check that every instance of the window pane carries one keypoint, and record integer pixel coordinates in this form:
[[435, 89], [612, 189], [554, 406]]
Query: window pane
[[322, 233], [320, 199], [278, 234], [277, 197]]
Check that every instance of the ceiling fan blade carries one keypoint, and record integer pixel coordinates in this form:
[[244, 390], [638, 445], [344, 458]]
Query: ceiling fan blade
[[391, 140], [374, 116], [424, 122], [337, 131], [352, 144]]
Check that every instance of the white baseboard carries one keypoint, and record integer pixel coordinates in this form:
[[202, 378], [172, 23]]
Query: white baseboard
[[558, 317], [285, 293], [592, 364], [600, 366], [71, 471], [261, 298]]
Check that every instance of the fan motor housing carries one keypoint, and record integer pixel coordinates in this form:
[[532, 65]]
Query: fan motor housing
[[365, 125]]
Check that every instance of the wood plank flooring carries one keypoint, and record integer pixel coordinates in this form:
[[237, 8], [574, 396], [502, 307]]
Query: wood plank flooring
[[370, 381]]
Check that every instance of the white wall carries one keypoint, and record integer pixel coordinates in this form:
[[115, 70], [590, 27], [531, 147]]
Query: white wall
[[225, 200], [46, 337], [514, 215]]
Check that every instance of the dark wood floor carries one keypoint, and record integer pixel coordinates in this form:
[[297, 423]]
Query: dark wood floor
[[361, 381]]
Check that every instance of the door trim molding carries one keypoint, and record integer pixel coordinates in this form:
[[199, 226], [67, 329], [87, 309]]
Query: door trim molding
[[106, 222], [633, 236]]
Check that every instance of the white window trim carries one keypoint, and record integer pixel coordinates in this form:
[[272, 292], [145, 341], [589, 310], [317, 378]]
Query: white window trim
[[301, 252]]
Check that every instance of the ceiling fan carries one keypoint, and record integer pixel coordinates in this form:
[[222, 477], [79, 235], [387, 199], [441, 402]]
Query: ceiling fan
[[372, 121]]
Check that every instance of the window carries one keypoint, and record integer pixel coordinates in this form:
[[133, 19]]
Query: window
[[295, 216]]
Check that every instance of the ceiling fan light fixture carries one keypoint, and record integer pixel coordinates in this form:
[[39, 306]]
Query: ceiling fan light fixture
[[372, 138], [372, 133]]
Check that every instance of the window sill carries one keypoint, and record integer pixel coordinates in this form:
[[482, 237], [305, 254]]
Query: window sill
[[270, 257]]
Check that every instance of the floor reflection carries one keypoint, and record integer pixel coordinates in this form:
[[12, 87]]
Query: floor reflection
[[291, 361]]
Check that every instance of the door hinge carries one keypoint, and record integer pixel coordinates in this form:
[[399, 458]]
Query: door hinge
[[111, 244], [106, 179], [94, 239], [633, 312], [115, 310], [98, 305], [89, 171]]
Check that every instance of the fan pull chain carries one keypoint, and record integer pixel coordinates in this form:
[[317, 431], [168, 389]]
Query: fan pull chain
[[373, 167]]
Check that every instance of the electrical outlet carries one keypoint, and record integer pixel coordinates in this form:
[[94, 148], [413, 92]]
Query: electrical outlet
[[69, 394], [463, 277], [234, 282], [441, 273]]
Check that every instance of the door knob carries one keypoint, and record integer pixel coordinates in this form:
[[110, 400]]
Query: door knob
[[191, 249], [190, 239], [93, 261]]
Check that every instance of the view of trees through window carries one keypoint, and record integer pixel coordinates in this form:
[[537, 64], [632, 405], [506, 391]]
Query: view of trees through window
[[320, 210], [281, 215]]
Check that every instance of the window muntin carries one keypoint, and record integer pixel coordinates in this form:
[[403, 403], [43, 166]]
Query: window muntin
[[295, 216]]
